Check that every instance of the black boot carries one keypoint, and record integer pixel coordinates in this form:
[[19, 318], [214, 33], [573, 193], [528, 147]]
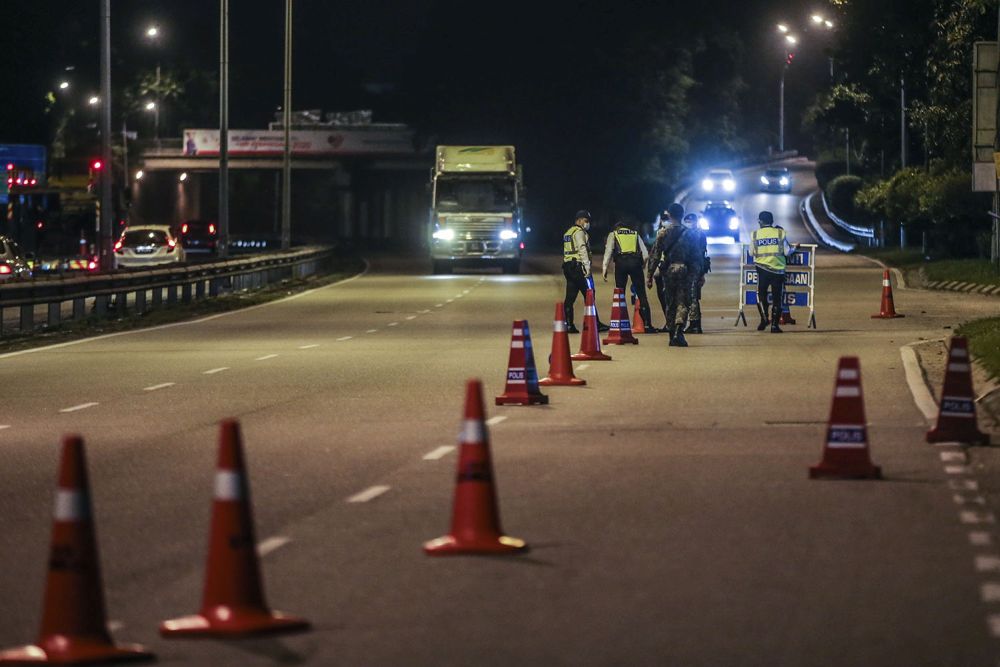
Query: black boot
[[694, 327], [670, 330], [776, 329], [678, 340], [775, 318], [647, 321], [571, 328], [601, 326], [763, 318]]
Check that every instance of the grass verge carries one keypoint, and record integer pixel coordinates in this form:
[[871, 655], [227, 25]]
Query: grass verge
[[984, 341], [978, 271], [340, 268]]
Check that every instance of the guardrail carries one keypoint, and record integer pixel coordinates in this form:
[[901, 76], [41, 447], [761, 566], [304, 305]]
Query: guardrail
[[140, 291], [805, 206], [856, 230]]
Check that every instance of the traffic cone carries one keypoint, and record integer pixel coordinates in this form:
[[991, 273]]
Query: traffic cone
[[638, 326], [233, 602], [888, 309], [845, 454], [475, 516], [560, 364], [621, 328], [74, 625], [590, 342], [956, 420], [522, 374]]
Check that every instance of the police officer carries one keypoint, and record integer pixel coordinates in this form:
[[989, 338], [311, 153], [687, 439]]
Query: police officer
[[699, 266], [576, 264], [671, 255], [629, 252], [770, 249]]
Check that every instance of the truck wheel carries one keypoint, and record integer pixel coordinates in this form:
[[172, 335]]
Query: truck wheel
[[511, 266], [441, 267]]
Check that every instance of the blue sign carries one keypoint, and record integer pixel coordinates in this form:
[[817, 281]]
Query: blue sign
[[790, 298], [793, 278]]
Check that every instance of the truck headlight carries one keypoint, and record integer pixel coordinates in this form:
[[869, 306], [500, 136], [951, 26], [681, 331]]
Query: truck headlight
[[707, 185], [729, 185], [444, 234], [507, 234], [734, 223], [703, 223]]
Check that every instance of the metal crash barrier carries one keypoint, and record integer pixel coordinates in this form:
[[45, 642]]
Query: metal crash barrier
[[800, 283], [140, 291]]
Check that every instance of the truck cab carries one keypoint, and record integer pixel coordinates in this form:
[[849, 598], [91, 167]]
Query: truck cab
[[475, 216]]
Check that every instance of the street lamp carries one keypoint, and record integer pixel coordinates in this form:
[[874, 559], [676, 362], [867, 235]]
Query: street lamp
[[782, 28], [153, 31], [64, 85], [153, 35], [94, 100]]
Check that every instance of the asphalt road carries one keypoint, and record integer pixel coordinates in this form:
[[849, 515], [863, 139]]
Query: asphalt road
[[666, 503]]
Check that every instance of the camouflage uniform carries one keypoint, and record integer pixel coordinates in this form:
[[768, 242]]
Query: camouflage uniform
[[670, 253], [697, 268]]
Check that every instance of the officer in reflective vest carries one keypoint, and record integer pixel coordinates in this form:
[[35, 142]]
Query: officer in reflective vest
[[625, 246], [770, 250], [576, 264]]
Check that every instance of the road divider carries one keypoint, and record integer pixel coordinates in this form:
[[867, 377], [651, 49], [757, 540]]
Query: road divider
[[845, 453]]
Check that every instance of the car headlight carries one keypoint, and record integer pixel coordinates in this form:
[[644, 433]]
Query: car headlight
[[729, 185], [734, 222], [508, 234], [444, 234], [784, 180], [703, 223], [707, 185], [764, 181]]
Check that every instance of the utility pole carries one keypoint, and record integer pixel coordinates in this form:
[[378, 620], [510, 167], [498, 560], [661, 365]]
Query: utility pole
[[223, 128], [902, 122], [105, 224], [286, 167], [781, 108]]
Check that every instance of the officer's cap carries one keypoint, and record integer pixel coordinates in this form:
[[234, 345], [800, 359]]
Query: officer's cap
[[583, 214]]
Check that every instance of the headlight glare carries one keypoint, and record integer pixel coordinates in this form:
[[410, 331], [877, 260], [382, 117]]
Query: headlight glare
[[729, 185], [508, 234], [444, 234], [784, 180], [707, 185], [703, 223], [734, 223], [764, 181]]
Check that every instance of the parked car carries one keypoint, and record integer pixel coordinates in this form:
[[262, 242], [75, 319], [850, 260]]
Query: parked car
[[719, 220], [147, 245], [13, 263], [198, 236], [778, 179], [718, 181]]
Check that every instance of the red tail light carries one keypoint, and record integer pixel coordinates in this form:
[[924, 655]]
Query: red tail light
[[4, 269], [118, 246], [91, 265], [171, 244], [522, 245], [211, 228], [184, 228]]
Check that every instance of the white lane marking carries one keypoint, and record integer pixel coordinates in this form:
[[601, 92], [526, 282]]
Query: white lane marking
[[424, 312], [392, 324], [162, 385], [987, 564], [308, 347], [439, 305], [968, 500], [976, 517], [272, 544], [411, 317], [438, 453], [213, 371], [115, 626], [915, 379], [449, 300], [465, 291], [266, 357], [368, 494], [493, 421], [82, 406], [372, 331], [3, 426], [958, 470], [980, 538], [994, 622], [343, 338], [963, 485], [990, 591], [582, 367], [952, 456], [459, 296]]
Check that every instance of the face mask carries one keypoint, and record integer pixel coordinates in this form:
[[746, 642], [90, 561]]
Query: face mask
[[586, 226]]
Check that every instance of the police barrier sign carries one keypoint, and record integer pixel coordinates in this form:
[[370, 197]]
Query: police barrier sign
[[799, 290]]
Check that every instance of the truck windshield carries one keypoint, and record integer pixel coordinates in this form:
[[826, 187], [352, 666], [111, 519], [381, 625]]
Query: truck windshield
[[475, 195]]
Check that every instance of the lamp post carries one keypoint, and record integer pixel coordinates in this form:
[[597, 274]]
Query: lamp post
[[153, 35], [223, 128], [790, 42], [286, 167], [105, 219]]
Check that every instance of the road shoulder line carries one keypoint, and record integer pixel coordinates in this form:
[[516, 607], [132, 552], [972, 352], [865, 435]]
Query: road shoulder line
[[919, 390]]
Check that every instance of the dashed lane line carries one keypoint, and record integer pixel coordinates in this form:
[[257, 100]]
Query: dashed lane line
[[439, 305], [423, 312], [438, 453], [82, 406], [987, 564], [213, 371], [266, 357], [994, 622], [952, 456], [162, 385], [308, 347], [449, 301], [343, 338], [368, 494], [582, 367], [493, 421], [3, 426], [990, 591], [980, 538], [973, 517], [272, 544], [411, 317], [372, 331], [393, 324]]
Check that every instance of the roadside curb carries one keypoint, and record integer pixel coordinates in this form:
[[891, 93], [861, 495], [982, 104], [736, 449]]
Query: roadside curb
[[958, 286]]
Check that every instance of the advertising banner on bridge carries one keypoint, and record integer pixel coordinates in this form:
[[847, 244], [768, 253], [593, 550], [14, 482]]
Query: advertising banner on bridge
[[270, 143], [799, 283]]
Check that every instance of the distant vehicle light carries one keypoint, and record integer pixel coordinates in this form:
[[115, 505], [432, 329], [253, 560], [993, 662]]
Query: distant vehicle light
[[784, 180], [444, 234], [184, 228], [4, 269], [734, 223], [118, 246], [708, 185], [703, 223], [171, 244], [183, 177], [211, 228], [729, 185], [139, 174], [764, 181], [91, 265], [508, 234], [522, 245]]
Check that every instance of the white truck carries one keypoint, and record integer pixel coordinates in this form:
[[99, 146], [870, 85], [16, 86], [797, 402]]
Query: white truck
[[475, 216]]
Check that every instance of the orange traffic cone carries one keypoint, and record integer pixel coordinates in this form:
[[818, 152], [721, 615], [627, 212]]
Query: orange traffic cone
[[522, 375], [475, 516], [845, 454], [621, 328], [957, 415], [590, 342], [74, 626], [233, 600], [560, 364], [888, 309], [638, 326]]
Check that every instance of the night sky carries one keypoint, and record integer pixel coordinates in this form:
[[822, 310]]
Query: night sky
[[515, 72]]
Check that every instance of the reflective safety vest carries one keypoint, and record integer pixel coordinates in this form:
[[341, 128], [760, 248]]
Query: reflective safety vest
[[769, 248], [628, 241], [570, 250]]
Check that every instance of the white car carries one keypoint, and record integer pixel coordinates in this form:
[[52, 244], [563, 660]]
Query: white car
[[148, 245], [13, 264], [718, 181]]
